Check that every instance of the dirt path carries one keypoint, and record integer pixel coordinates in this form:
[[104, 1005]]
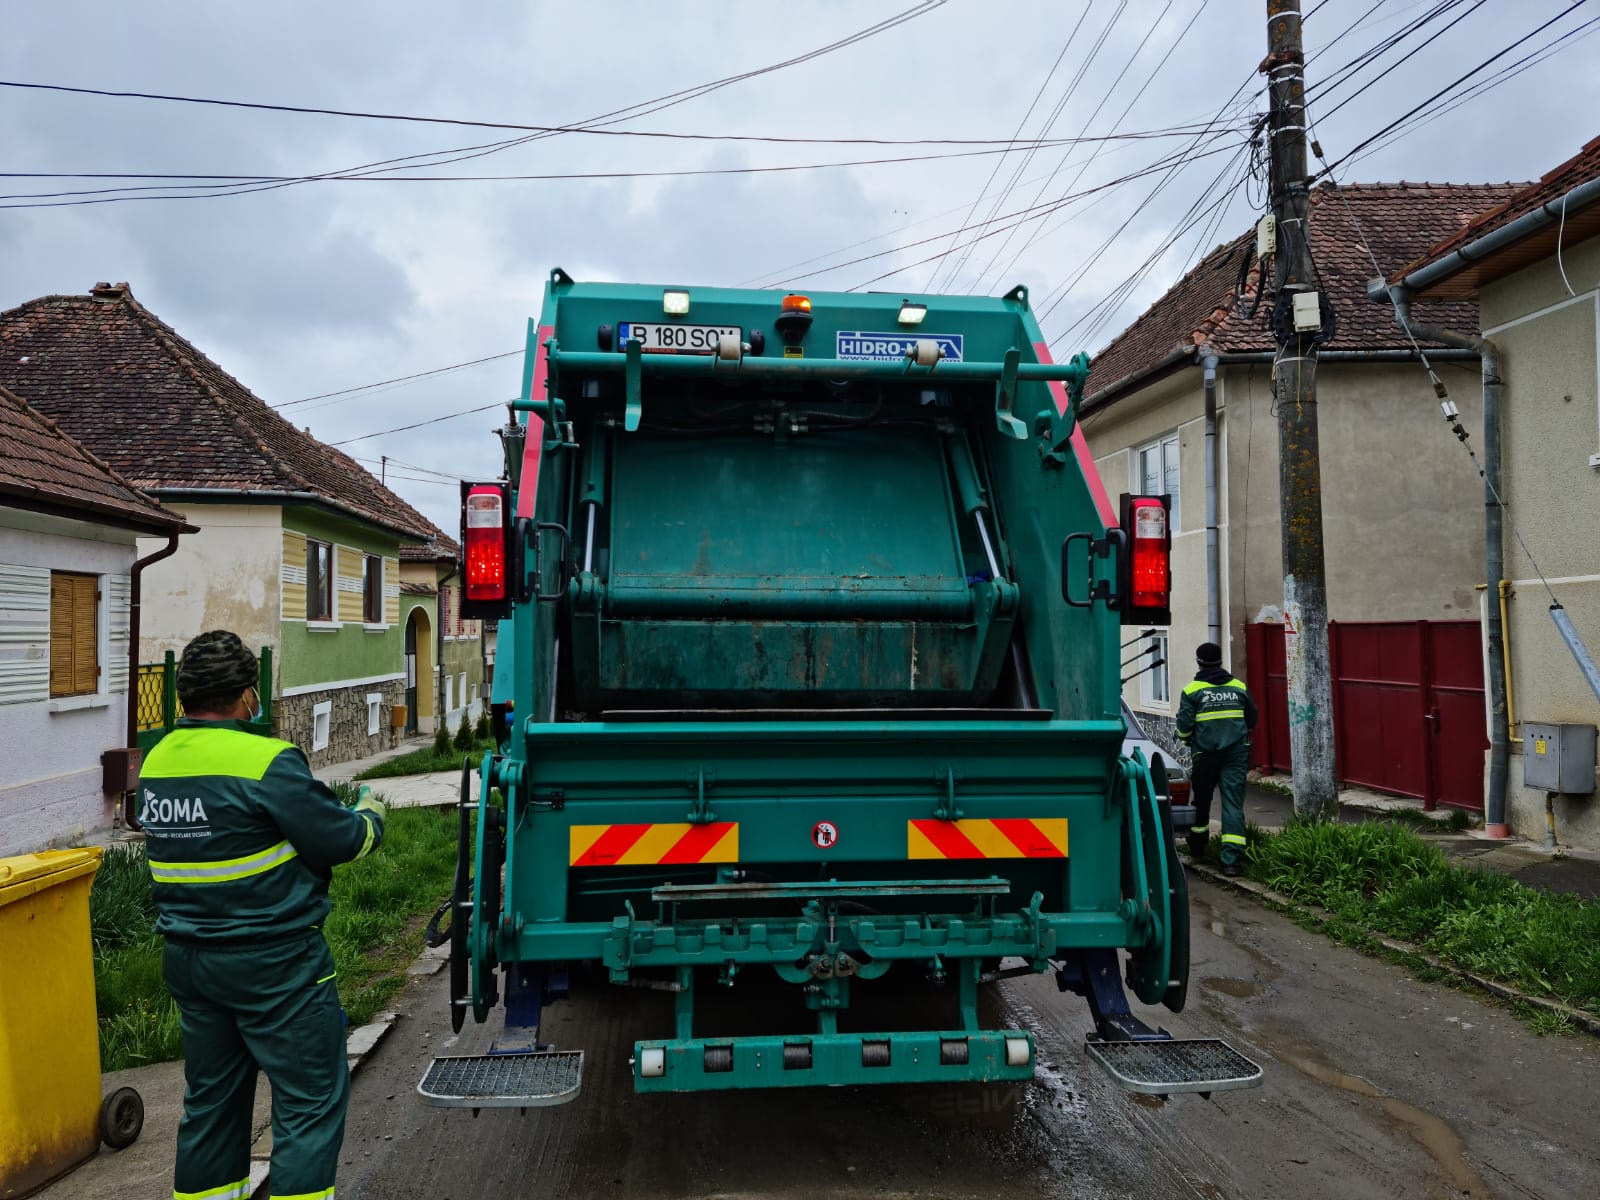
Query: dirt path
[[1377, 1086]]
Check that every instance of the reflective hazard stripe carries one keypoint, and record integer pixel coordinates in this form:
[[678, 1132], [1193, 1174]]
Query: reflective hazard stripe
[[228, 1191], [1234, 839], [322, 1195], [1221, 714], [222, 870], [1200, 829], [366, 845]]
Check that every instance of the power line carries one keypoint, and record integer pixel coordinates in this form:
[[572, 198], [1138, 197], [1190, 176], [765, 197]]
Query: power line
[[591, 130], [466, 412], [1037, 96], [1050, 121], [614, 116], [577, 175], [1138, 95], [365, 387], [1455, 83]]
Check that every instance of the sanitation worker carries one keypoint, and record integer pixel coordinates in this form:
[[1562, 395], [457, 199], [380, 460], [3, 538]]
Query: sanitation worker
[[1215, 718], [241, 840]]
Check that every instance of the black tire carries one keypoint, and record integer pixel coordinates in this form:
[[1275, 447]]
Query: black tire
[[121, 1118]]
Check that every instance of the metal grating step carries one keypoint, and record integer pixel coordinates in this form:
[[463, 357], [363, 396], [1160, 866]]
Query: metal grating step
[[1175, 1065], [503, 1080]]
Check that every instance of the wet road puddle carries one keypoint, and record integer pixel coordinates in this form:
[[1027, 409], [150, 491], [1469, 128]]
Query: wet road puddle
[[1241, 989], [1432, 1133]]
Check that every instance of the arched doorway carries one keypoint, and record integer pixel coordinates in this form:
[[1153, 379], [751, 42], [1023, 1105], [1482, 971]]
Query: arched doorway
[[419, 671]]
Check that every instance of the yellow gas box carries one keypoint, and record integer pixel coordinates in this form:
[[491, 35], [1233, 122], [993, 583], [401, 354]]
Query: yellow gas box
[[49, 1045]]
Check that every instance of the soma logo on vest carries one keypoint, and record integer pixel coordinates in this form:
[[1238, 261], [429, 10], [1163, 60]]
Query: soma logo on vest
[[172, 810], [1221, 697]]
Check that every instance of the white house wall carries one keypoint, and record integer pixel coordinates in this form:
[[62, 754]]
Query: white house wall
[[224, 577], [1551, 423], [50, 771]]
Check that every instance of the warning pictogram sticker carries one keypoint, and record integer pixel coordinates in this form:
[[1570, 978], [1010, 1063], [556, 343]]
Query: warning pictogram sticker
[[824, 834]]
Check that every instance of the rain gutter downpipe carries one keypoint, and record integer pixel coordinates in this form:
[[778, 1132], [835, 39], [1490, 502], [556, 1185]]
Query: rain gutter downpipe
[[1213, 569], [1493, 529], [135, 592]]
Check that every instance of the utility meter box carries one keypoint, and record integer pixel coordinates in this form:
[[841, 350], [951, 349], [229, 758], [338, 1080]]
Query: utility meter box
[[1558, 758]]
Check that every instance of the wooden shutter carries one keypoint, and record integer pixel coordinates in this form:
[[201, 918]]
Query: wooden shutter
[[348, 584], [293, 576], [74, 634], [24, 633], [391, 591]]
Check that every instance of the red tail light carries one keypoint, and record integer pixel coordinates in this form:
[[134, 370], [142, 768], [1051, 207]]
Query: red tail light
[[1151, 553], [485, 544]]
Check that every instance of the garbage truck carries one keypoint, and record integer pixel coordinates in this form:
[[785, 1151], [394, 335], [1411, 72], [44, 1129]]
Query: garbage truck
[[808, 682]]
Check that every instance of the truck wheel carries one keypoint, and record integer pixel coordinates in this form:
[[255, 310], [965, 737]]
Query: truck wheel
[[121, 1118]]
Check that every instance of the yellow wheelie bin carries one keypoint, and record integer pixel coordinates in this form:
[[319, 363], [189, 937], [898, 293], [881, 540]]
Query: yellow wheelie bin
[[52, 1116]]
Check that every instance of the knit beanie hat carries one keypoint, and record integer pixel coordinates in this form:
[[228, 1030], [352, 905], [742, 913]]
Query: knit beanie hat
[[1208, 654], [215, 667]]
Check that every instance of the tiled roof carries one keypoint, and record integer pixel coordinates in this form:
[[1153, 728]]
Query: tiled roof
[[126, 385], [1398, 220], [1579, 169], [441, 548], [407, 588], [44, 468]]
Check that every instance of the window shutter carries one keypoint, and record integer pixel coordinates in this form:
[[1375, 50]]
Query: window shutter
[[85, 634], [61, 626], [24, 633]]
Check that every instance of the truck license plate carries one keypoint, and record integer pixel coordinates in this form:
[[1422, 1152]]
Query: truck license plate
[[656, 338]]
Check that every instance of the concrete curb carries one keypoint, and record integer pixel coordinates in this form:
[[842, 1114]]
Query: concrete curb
[[360, 1044], [1580, 1018]]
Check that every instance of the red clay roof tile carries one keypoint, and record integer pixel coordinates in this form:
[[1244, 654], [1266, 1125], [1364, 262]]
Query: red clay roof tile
[[129, 387]]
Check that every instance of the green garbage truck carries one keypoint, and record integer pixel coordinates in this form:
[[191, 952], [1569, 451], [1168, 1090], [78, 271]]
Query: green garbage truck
[[808, 682]]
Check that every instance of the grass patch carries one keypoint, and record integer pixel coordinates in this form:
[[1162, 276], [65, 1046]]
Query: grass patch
[[1380, 877], [374, 931], [426, 760]]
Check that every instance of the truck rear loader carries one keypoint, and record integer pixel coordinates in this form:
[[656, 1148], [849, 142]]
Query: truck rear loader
[[809, 676]]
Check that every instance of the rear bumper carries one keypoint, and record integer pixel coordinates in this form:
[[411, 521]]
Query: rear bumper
[[833, 1060]]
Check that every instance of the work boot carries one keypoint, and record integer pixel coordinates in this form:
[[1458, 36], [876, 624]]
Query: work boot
[[1233, 869], [1197, 845]]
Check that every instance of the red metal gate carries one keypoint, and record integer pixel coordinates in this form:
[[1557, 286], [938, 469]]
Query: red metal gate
[[1408, 706]]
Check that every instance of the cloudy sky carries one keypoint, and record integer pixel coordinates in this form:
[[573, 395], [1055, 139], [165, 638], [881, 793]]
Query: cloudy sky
[[331, 284]]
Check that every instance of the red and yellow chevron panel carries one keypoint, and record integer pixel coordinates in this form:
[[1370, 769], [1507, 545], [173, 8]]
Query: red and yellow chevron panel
[[653, 845], [1014, 837]]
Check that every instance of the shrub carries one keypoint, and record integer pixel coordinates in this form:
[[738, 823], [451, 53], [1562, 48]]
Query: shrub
[[464, 735], [441, 740], [483, 725]]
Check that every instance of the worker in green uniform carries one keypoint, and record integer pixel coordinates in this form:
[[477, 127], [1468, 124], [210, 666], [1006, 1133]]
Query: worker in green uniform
[[1215, 718], [241, 840]]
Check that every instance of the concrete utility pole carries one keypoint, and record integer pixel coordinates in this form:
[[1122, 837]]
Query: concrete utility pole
[[1297, 323]]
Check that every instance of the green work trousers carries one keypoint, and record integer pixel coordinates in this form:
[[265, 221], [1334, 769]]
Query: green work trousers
[[1226, 767], [271, 1007]]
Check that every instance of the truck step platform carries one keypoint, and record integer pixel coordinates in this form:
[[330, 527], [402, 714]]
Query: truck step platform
[[535, 1080], [1163, 1066]]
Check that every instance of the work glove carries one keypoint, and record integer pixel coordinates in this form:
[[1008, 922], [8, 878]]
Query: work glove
[[367, 802]]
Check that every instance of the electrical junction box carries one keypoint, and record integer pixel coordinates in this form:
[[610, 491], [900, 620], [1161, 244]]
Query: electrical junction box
[[1307, 312], [1558, 758], [1267, 236]]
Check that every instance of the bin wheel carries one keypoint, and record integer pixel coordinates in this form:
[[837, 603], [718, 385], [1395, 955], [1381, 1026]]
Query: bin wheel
[[121, 1118]]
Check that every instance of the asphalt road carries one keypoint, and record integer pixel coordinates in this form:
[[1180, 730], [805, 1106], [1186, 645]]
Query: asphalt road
[[1377, 1086]]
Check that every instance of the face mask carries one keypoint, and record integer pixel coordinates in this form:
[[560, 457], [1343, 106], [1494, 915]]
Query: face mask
[[255, 705]]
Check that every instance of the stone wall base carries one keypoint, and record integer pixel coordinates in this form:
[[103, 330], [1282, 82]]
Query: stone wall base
[[293, 719], [1163, 731]]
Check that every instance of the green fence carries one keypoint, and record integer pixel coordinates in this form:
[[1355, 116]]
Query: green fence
[[156, 698]]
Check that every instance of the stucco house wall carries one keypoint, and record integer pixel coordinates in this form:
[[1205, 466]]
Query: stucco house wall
[[50, 773], [1550, 341], [220, 578]]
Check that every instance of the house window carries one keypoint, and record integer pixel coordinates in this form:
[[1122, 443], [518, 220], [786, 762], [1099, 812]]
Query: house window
[[1157, 471], [372, 590], [74, 634], [1155, 684], [321, 724], [319, 581], [374, 711]]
